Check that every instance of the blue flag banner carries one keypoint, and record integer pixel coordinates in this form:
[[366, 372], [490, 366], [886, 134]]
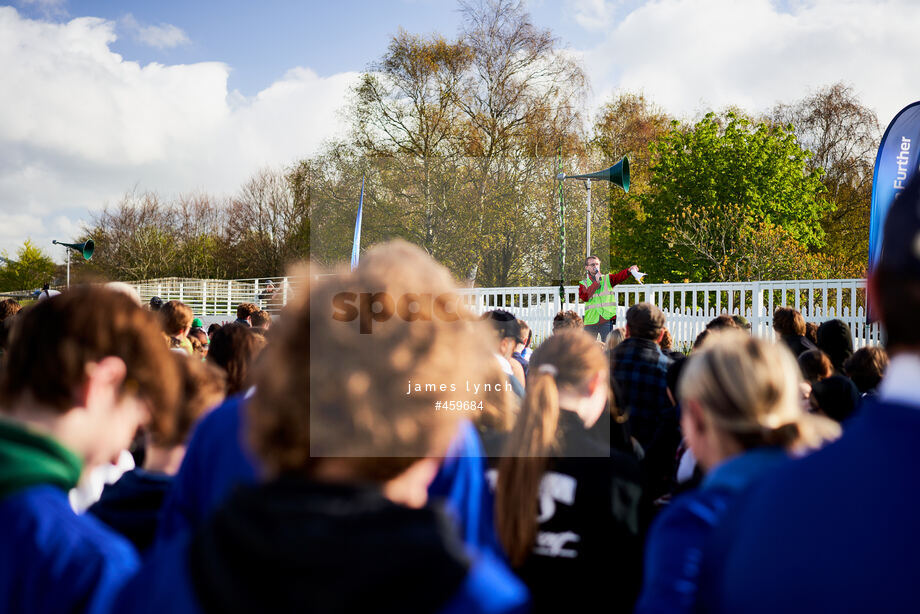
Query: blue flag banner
[[897, 160], [356, 246]]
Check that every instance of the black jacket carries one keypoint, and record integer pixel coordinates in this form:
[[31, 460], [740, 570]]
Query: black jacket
[[132, 505], [798, 344], [296, 546], [588, 550]]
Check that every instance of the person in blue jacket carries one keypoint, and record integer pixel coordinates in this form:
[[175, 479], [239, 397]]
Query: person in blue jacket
[[82, 371], [338, 518], [742, 414], [837, 531]]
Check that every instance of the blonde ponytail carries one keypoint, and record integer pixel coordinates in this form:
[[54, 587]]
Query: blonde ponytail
[[750, 389]]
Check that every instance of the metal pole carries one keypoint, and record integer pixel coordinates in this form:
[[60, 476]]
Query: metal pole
[[588, 221], [67, 255]]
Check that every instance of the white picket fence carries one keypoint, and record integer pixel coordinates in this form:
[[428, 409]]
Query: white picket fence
[[688, 306]]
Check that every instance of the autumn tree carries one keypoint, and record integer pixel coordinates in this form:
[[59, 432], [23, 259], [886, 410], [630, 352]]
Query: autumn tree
[[522, 98], [843, 135], [406, 112]]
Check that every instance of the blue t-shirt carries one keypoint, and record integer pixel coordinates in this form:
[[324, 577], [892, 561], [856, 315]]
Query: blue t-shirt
[[52, 560]]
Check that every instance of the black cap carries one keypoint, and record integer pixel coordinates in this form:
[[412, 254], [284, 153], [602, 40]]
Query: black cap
[[156, 302], [901, 242]]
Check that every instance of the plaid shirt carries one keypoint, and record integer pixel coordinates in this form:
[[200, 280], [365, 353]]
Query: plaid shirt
[[640, 370]]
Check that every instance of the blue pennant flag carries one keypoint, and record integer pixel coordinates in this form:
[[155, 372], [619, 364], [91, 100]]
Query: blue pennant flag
[[897, 160], [356, 246]]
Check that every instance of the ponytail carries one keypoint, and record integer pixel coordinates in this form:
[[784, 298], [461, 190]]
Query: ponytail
[[567, 360], [522, 468]]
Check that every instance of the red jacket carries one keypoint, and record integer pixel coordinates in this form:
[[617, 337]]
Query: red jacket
[[585, 293]]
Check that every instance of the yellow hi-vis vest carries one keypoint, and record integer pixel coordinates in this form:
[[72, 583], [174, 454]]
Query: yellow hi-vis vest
[[601, 304]]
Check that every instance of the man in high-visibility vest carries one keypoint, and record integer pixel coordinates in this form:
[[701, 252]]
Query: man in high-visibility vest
[[596, 292]]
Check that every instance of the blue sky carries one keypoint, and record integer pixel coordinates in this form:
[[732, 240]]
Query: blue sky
[[260, 41], [102, 98]]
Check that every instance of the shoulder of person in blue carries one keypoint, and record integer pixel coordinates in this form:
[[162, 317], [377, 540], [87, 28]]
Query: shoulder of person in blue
[[57, 561]]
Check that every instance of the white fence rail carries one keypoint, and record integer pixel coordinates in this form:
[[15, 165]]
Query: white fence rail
[[688, 306]]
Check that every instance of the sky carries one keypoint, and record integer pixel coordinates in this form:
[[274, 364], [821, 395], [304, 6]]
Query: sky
[[103, 98]]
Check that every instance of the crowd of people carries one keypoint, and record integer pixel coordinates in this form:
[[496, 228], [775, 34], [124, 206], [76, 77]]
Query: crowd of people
[[444, 464]]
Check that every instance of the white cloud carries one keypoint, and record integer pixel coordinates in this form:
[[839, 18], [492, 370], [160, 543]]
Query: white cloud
[[592, 15], [163, 36], [687, 55], [80, 125]]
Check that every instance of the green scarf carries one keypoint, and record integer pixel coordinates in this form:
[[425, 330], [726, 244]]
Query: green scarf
[[28, 459]]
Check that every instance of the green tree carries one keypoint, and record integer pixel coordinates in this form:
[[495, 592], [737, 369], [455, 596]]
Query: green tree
[[716, 187], [30, 269]]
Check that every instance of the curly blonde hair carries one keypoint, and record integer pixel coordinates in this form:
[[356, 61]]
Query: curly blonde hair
[[325, 389]]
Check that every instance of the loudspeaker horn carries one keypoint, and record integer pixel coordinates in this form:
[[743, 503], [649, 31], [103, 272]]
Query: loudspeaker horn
[[617, 174], [86, 248]]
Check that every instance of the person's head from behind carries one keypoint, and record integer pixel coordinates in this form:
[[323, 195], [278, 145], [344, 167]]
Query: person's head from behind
[[787, 322], [565, 320], [213, 328], [811, 332], [615, 338], [201, 387], [8, 308], [526, 337], [507, 330], [261, 319], [722, 322], [155, 303], [866, 367], [645, 321], [738, 393], [199, 336], [592, 266], [88, 366], [568, 372], [700, 340], [244, 311], [176, 318], [835, 397], [234, 348], [835, 340], [815, 366], [666, 340], [742, 322], [346, 416]]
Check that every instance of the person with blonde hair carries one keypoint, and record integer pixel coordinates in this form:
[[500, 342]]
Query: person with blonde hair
[[347, 446], [615, 338], [742, 417], [836, 531], [567, 505]]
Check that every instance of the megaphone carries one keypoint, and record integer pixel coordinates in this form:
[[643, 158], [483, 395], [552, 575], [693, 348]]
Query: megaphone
[[86, 248], [617, 174]]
